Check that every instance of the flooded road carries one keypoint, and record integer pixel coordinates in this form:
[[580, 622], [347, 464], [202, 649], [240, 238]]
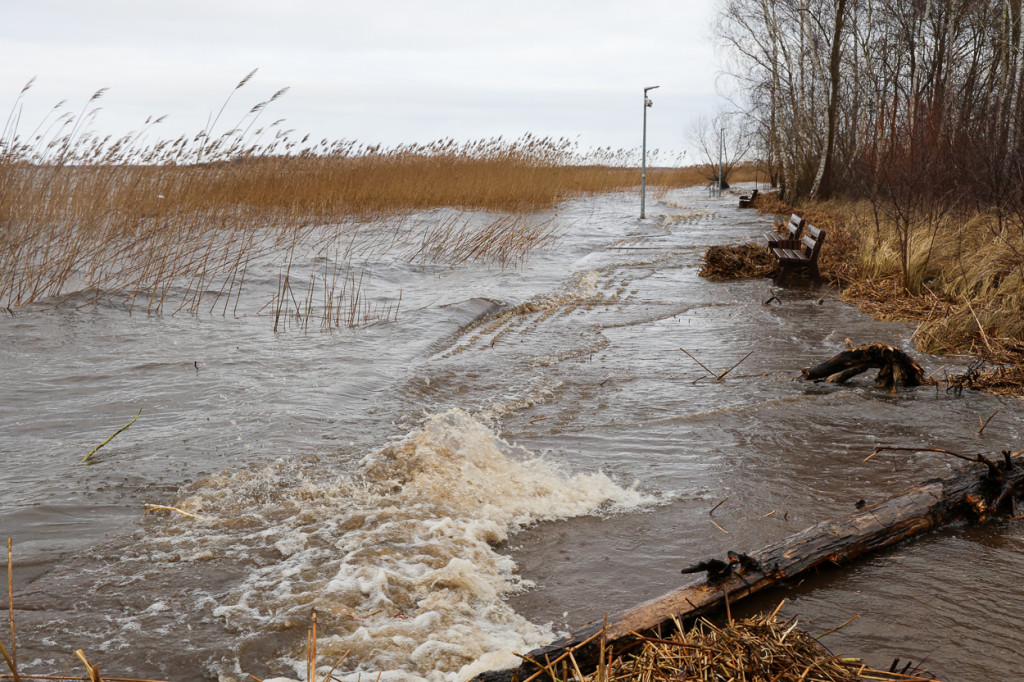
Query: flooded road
[[519, 452]]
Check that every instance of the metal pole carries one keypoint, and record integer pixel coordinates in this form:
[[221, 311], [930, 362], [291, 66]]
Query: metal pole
[[721, 153], [643, 164], [643, 153]]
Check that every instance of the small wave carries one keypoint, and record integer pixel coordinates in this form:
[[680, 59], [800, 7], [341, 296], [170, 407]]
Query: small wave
[[580, 288]]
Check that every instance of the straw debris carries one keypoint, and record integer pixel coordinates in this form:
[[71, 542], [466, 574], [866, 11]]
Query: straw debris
[[737, 262], [756, 649]]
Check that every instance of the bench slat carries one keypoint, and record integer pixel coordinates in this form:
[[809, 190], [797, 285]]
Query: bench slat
[[792, 233], [790, 255]]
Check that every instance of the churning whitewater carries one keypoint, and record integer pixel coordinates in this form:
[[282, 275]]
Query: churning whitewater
[[399, 561]]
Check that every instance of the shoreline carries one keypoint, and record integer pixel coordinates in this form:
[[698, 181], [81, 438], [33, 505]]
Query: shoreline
[[946, 327]]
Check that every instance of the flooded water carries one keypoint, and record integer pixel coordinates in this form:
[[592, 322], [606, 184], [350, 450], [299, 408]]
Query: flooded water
[[519, 452]]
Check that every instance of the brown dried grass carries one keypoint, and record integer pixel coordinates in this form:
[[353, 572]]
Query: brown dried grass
[[757, 649], [967, 273], [737, 262], [174, 224]]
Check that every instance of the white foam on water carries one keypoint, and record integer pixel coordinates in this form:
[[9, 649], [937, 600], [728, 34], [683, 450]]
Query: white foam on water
[[398, 560]]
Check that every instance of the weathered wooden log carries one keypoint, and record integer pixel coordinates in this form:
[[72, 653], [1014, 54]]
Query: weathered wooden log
[[977, 493], [896, 368]]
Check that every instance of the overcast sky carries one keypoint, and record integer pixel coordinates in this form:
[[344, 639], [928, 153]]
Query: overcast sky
[[377, 71]]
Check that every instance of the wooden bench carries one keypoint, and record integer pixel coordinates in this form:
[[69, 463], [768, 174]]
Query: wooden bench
[[747, 199], [791, 237], [802, 255]]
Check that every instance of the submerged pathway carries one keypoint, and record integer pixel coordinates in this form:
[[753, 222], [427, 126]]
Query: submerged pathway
[[520, 452]]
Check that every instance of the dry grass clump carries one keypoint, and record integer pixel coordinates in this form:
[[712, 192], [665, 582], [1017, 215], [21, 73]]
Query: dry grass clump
[[886, 299], [757, 649], [737, 261], [768, 201]]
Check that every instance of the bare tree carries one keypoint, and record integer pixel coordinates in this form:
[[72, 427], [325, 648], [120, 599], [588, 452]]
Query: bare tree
[[721, 143]]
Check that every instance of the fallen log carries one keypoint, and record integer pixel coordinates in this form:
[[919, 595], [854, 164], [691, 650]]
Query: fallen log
[[976, 493], [896, 368]]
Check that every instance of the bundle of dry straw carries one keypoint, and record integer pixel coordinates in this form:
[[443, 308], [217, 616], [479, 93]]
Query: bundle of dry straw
[[756, 649], [738, 261]]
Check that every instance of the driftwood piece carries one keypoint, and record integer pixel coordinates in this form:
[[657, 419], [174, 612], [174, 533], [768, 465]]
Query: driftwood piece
[[896, 368], [976, 493]]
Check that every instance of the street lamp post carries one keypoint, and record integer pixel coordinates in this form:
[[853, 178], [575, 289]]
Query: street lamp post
[[643, 161], [721, 153]]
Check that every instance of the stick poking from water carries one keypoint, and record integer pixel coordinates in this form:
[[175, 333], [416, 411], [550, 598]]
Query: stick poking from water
[[987, 421], [10, 600], [719, 377], [12, 664], [86, 458], [698, 362], [93, 670]]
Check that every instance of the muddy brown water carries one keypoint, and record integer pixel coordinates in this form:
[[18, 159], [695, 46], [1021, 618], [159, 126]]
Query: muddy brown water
[[522, 451]]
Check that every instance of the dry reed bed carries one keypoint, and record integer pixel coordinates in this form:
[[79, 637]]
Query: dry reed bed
[[174, 225]]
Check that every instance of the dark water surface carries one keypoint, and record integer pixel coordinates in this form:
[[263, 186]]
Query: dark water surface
[[522, 451]]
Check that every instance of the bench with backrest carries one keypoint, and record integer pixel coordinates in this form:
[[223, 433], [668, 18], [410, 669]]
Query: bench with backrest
[[791, 236], [800, 255], [747, 199]]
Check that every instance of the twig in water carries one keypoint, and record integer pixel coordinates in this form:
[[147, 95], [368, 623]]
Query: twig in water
[[698, 362], [837, 628], [154, 507], [977, 459], [987, 421], [10, 605], [86, 458], [330, 675], [719, 377], [311, 651], [819, 303], [717, 506], [719, 527]]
